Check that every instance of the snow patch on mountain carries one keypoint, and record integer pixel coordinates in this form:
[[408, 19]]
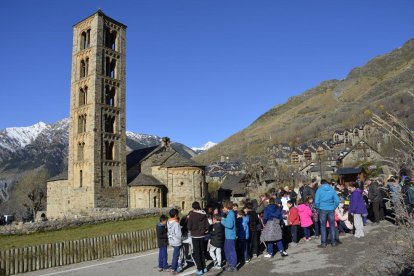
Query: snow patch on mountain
[[14, 138], [206, 146]]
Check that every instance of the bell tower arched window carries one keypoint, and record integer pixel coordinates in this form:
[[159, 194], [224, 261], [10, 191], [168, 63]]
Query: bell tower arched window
[[110, 67], [82, 124], [110, 39], [110, 178], [110, 96], [109, 124], [83, 96], [85, 39], [81, 151], [109, 150]]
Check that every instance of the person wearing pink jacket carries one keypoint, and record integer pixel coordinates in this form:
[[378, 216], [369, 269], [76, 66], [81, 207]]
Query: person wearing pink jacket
[[305, 215]]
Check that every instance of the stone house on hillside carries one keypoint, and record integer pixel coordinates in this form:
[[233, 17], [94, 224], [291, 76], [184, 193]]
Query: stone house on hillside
[[360, 153]]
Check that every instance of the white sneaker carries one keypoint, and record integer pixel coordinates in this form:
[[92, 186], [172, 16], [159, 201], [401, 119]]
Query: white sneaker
[[267, 255]]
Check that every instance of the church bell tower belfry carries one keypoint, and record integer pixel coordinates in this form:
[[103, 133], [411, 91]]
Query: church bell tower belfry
[[97, 139]]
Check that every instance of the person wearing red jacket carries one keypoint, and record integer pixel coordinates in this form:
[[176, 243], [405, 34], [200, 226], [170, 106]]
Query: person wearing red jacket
[[293, 221]]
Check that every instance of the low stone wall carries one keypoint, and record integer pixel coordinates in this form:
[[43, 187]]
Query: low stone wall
[[99, 216]]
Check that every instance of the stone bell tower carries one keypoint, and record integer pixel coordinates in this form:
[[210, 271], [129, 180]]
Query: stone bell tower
[[97, 157]]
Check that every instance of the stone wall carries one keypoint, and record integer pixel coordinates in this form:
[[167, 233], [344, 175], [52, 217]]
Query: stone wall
[[145, 197], [97, 216]]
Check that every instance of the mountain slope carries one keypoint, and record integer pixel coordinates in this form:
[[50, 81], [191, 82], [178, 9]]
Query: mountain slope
[[378, 86]]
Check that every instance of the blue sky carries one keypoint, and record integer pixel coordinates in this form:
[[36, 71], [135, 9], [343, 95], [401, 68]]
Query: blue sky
[[196, 70]]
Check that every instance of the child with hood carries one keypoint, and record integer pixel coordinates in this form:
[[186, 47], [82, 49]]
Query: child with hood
[[293, 221], [243, 235], [174, 238], [306, 219], [357, 208]]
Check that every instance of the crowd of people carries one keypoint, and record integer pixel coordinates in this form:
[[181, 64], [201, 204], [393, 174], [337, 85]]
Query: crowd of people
[[228, 234]]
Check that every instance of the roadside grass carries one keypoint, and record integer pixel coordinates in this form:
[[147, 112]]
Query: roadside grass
[[87, 231]]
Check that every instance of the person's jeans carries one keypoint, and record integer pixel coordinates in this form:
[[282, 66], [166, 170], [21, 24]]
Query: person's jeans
[[294, 233], [163, 258], [244, 246], [316, 228], [176, 254], [376, 211], [279, 245], [254, 243], [342, 227], [230, 252], [199, 254], [306, 231], [215, 254], [324, 216]]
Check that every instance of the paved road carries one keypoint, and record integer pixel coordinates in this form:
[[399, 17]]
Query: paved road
[[306, 258]]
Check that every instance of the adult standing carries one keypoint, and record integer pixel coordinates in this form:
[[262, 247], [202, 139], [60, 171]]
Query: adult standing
[[198, 226], [229, 223], [374, 196], [327, 200], [357, 209], [310, 190]]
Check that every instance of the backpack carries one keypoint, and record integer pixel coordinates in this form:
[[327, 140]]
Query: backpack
[[410, 195]]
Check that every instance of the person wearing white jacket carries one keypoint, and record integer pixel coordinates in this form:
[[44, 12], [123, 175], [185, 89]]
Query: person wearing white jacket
[[174, 238]]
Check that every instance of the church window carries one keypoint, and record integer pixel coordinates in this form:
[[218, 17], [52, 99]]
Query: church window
[[86, 67], [109, 124], [110, 178], [83, 96], [82, 69], [201, 189], [110, 38], [183, 205], [110, 66], [80, 178], [81, 151], [110, 96], [155, 201], [109, 150], [85, 39], [181, 183], [82, 124]]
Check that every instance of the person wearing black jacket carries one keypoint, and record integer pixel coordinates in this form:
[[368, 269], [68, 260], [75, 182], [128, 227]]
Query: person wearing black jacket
[[162, 240], [374, 196], [198, 226], [253, 227], [216, 241]]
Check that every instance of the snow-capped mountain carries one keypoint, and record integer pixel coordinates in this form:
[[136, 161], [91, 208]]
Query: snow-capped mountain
[[14, 138], [207, 146], [46, 145]]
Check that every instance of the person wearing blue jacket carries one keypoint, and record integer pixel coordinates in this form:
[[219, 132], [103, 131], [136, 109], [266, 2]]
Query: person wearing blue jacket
[[229, 223], [326, 200], [243, 235]]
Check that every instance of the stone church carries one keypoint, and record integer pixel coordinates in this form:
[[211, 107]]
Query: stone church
[[100, 174]]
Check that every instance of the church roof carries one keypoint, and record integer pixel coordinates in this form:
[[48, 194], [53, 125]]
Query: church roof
[[145, 180], [138, 155], [177, 160], [61, 176], [234, 183], [101, 13]]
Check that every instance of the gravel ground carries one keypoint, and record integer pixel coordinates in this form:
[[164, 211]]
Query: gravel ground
[[365, 256]]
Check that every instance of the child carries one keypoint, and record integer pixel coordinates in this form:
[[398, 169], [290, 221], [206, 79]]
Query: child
[[357, 209], [243, 235], [306, 219], [174, 238], [294, 221], [229, 224], [315, 216], [254, 226], [162, 240], [216, 241]]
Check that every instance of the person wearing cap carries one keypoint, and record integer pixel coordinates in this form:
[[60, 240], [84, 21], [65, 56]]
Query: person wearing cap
[[327, 200]]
